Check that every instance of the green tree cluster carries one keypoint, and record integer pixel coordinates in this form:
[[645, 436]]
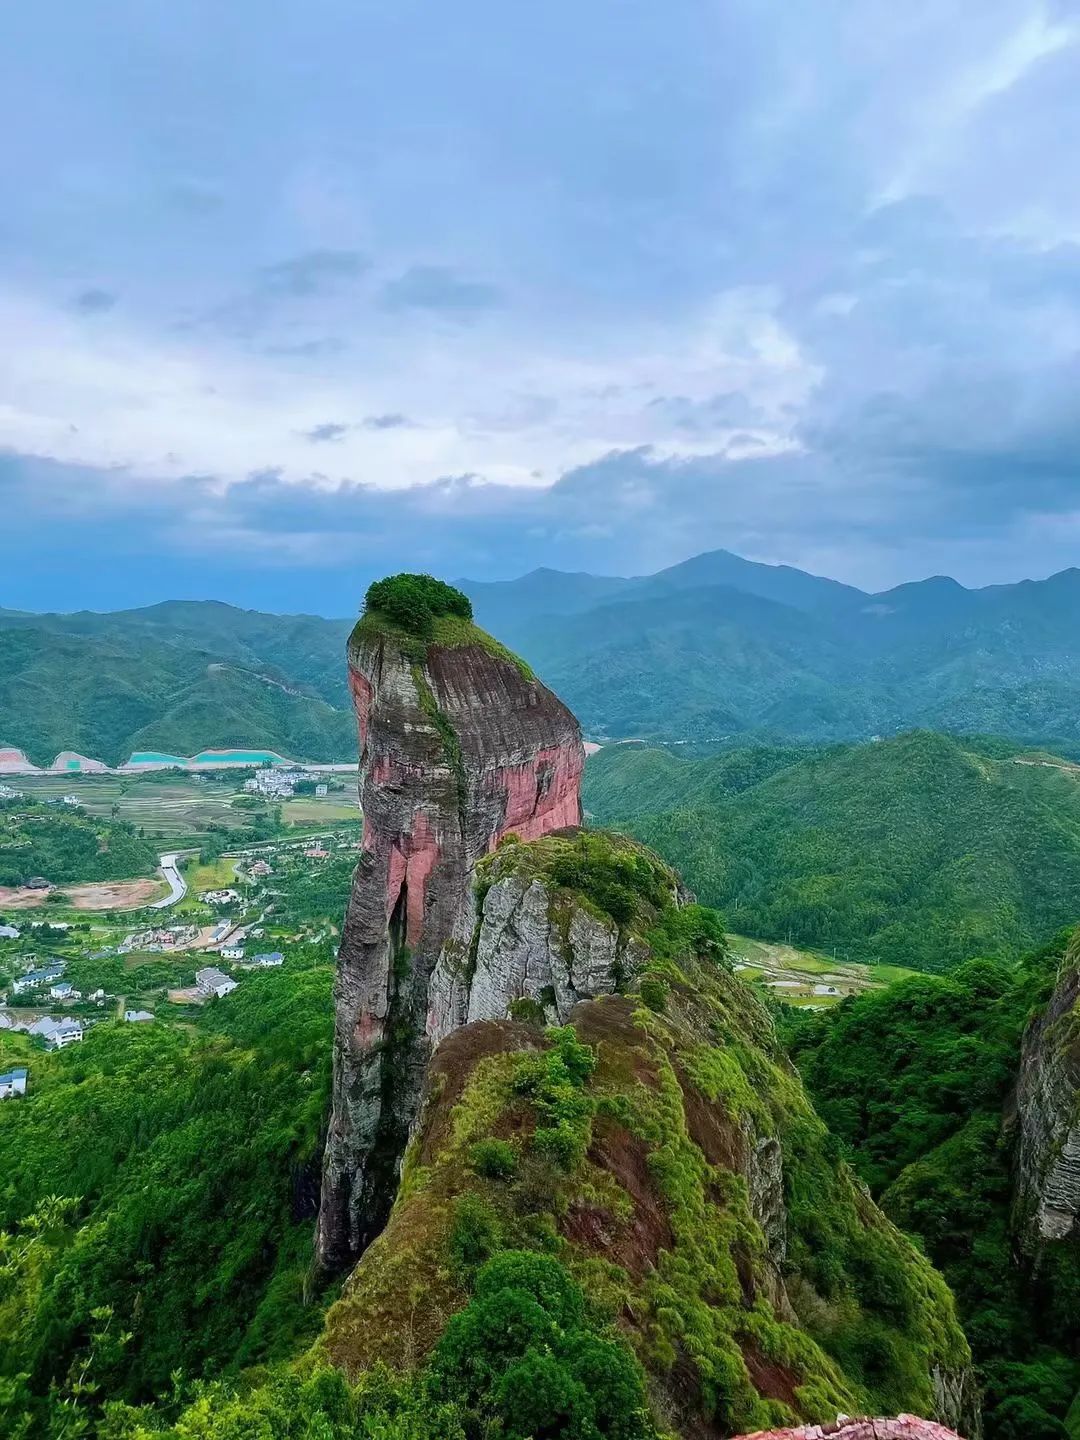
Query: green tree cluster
[[67, 847], [412, 602]]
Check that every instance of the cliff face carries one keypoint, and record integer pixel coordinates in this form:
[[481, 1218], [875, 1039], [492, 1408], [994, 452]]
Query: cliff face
[[519, 944], [661, 1146], [459, 746], [1047, 1116]]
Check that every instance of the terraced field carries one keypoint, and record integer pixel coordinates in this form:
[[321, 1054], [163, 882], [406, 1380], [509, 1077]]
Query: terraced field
[[180, 808], [807, 979]]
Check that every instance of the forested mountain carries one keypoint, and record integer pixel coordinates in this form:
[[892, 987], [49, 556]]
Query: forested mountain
[[924, 850], [712, 649], [178, 678], [719, 647]]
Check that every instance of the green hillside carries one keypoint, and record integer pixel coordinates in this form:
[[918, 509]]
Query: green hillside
[[921, 851], [179, 678], [40, 840], [720, 647], [915, 1081]]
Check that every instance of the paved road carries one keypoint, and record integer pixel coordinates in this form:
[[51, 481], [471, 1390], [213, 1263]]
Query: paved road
[[170, 868]]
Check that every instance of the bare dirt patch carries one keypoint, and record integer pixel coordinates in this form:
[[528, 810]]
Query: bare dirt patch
[[101, 895], [114, 894], [20, 898]]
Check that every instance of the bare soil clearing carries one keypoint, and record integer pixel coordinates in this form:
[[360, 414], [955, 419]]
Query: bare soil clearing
[[101, 895]]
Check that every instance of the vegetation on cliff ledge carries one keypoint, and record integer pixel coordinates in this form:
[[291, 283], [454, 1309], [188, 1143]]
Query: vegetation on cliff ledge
[[418, 611]]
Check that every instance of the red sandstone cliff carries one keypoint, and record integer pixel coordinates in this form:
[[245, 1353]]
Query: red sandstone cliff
[[458, 746]]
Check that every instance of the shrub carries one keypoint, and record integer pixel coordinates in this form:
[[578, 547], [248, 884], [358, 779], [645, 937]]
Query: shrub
[[654, 993], [527, 1010], [476, 1234], [494, 1159]]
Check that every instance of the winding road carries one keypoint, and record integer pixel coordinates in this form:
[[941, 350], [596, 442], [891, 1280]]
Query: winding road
[[170, 868]]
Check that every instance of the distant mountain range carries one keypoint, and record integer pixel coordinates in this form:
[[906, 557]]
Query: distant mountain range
[[717, 648], [724, 648]]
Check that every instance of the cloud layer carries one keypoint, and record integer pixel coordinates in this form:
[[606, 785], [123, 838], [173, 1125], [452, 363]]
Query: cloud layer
[[290, 300]]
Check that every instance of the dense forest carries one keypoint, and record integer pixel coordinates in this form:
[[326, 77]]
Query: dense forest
[[157, 1200], [923, 851], [63, 846], [915, 1081]]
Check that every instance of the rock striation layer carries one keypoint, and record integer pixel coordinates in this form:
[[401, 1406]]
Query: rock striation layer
[[459, 746], [518, 940], [1047, 1116]]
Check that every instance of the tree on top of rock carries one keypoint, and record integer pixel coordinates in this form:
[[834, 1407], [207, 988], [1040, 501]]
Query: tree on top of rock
[[413, 602]]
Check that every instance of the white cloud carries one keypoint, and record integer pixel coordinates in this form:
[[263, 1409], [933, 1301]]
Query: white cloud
[[166, 405]]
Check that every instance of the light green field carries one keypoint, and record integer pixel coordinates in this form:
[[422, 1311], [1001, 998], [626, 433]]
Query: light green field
[[319, 810], [797, 977], [180, 809], [218, 875]]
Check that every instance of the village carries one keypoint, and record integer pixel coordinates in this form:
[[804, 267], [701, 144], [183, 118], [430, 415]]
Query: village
[[241, 914]]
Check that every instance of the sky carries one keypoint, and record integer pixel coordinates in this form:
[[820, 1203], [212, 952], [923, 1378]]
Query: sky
[[296, 294]]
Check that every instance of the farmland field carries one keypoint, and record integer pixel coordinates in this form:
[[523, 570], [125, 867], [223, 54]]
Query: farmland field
[[804, 978], [181, 808]]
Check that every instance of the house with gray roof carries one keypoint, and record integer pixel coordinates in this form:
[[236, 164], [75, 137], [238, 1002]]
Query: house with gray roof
[[13, 1083]]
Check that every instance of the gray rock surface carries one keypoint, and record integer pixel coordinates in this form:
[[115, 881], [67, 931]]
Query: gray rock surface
[[527, 943], [1047, 1115]]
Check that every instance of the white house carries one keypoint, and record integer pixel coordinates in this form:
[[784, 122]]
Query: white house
[[13, 1083], [212, 981], [266, 962], [64, 990], [232, 952], [57, 1034], [221, 897], [137, 1017], [35, 978]]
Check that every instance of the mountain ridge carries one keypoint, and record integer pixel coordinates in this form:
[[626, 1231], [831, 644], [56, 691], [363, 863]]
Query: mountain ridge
[[714, 648]]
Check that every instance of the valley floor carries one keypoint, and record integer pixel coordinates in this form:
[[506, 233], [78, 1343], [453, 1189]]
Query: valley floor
[[806, 978]]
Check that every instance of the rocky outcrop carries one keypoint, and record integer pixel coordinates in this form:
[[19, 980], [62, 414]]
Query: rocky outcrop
[[903, 1427], [518, 942], [662, 1146], [459, 746], [1047, 1118]]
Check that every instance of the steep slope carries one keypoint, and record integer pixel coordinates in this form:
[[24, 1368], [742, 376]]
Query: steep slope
[[656, 1154], [1048, 1121], [922, 850], [459, 745], [918, 1083]]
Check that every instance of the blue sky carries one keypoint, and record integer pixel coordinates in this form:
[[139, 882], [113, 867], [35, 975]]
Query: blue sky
[[296, 294]]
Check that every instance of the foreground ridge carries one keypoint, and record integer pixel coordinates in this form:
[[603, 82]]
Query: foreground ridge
[[902, 1427]]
